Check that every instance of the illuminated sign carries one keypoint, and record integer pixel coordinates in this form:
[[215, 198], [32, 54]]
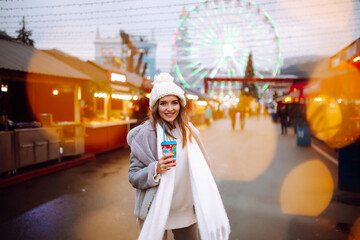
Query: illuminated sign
[[116, 77], [193, 97]]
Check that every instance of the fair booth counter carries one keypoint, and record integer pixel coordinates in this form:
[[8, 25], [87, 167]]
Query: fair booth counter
[[72, 138], [102, 136], [24, 147]]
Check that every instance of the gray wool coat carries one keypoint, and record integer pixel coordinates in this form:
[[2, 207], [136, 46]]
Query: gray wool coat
[[143, 157]]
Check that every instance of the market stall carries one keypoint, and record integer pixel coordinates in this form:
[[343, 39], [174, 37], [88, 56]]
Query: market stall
[[90, 106], [107, 119], [34, 84], [336, 98], [334, 113], [107, 104], [294, 101]]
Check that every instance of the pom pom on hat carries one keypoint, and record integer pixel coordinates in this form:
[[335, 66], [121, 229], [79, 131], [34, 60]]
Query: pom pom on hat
[[164, 85]]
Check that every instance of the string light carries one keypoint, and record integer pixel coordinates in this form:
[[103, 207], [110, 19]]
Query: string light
[[121, 96], [67, 5], [100, 95], [272, 7]]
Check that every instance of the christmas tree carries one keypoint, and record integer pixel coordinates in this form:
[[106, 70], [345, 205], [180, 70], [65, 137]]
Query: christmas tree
[[249, 75], [249, 71]]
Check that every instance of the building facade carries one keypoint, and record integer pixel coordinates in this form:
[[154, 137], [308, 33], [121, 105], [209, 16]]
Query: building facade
[[111, 51]]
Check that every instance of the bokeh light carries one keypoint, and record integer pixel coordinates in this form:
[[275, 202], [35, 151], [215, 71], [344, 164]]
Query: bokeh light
[[247, 161], [333, 105], [307, 189], [325, 117]]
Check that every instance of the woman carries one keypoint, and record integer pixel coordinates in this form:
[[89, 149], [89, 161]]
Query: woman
[[175, 194]]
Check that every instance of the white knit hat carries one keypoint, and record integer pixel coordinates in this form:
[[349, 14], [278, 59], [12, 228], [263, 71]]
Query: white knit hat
[[164, 85]]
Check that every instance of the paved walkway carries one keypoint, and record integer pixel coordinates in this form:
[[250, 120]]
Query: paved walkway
[[271, 188], [274, 189]]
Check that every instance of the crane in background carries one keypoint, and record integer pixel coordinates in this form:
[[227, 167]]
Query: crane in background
[[130, 55]]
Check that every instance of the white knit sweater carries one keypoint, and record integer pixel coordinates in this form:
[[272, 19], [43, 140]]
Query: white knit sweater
[[182, 206]]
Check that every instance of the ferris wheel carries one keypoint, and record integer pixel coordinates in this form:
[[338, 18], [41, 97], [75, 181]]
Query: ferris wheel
[[215, 39]]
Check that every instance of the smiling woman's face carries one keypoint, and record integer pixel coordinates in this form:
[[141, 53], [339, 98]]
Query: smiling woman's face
[[169, 108]]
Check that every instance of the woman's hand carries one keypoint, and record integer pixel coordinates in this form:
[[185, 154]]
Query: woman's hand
[[165, 163]]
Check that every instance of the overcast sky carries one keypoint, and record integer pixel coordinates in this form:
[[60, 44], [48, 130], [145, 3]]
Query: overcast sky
[[305, 27]]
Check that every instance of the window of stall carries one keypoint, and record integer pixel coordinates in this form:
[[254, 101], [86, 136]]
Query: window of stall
[[99, 105], [117, 106], [120, 105], [101, 100]]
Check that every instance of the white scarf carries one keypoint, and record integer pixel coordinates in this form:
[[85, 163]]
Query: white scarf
[[210, 212]]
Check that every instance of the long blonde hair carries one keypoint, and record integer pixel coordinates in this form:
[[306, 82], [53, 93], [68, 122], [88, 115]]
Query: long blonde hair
[[181, 120]]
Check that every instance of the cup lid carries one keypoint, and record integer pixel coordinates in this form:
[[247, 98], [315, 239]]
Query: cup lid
[[168, 143]]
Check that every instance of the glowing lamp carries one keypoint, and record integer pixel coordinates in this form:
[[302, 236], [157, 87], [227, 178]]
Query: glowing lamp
[[55, 92], [318, 99], [357, 59], [288, 99], [4, 87]]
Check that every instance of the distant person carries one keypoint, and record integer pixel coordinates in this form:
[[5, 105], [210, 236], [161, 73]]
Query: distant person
[[208, 115], [232, 115], [283, 115], [265, 113], [242, 111], [243, 107], [173, 195], [258, 110]]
